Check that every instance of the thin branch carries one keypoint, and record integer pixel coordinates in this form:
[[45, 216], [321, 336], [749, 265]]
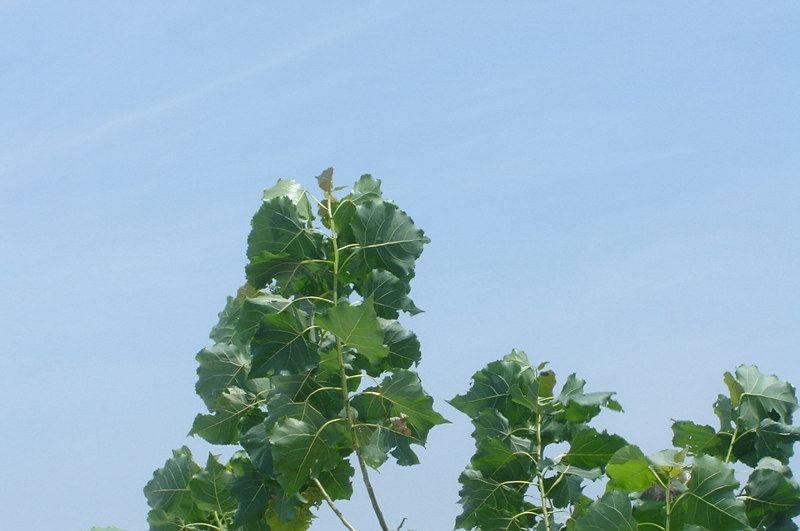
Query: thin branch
[[333, 506]]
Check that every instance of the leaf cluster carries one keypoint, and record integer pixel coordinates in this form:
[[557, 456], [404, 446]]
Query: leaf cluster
[[311, 375], [513, 480], [512, 483], [310, 369]]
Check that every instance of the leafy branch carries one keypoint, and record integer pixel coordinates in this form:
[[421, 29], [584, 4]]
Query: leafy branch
[[311, 372], [317, 317]]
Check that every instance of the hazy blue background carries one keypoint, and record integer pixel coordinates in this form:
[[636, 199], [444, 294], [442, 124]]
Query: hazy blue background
[[609, 186]]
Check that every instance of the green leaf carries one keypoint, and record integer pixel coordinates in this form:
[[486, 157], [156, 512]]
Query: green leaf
[[357, 328], [302, 450], [491, 389], [296, 194], [723, 409], [169, 489], [222, 426], [709, 500], [252, 491], [580, 406], [771, 494], [253, 310], [282, 344], [404, 348], [291, 274], [491, 423], [388, 293], [211, 488], [254, 439], [385, 238], [367, 188], [279, 229], [224, 330], [495, 460], [763, 397], [403, 391], [161, 520], [338, 483], [612, 512], [224, 366], [769, 439], [693, 437], [628, 469], [483, 498], [590, 449], [563, 489]]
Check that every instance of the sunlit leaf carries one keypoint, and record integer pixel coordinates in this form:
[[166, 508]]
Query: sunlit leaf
[[211, 487], [169, 489], [357, 328], [709, 500], [590, 449]]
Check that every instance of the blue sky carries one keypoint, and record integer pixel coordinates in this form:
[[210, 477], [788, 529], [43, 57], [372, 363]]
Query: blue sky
[[611, 187]]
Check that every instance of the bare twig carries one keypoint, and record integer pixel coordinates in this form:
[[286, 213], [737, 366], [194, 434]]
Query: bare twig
[[333, 507]]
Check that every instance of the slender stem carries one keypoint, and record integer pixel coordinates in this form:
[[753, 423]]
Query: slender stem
[[539, 476], [332, 506], [343, 376], [668, 503], [733, 440], [216, 519]]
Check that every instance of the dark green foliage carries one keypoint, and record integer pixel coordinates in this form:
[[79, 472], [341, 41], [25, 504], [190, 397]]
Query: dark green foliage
[[311, 373], [512, 482], [283, 378]]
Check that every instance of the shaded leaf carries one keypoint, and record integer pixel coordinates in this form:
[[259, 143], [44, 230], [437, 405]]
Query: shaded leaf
[[302, 450], [563, 489], [253, 310], [292, 275], [252, 491], [338, 483], [282, 344]]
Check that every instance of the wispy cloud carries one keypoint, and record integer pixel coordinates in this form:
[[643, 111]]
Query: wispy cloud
[[65, 140]]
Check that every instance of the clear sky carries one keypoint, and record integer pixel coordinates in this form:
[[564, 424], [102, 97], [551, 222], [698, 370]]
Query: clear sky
[[613, 187]]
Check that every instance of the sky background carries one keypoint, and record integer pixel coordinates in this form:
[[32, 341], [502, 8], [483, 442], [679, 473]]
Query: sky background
[[612, 187]]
